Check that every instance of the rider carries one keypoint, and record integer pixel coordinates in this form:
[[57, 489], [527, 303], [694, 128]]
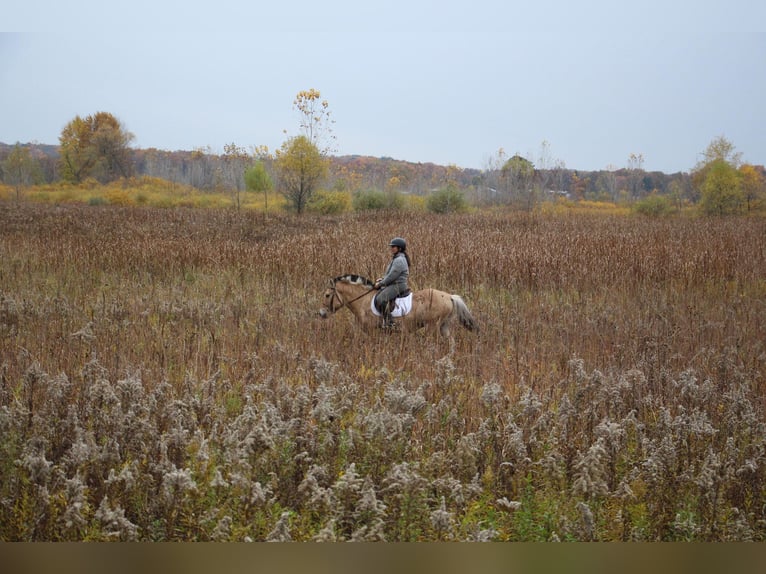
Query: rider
[[394, 283]]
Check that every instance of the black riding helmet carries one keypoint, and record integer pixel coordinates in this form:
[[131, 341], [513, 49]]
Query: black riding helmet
[[398, 242]]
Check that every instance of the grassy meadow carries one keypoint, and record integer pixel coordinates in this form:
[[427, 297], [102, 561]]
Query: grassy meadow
[[164, 375]]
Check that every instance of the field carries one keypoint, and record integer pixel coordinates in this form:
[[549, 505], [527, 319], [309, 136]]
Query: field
[[164, 375]]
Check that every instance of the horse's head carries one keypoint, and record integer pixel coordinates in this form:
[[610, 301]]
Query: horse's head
[[342, 290], [331, 301]]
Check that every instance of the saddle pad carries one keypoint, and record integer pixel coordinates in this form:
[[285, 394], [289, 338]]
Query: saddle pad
[[403, 305]]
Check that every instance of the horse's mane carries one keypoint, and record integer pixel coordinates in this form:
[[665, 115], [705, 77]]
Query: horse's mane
[[354, 280]]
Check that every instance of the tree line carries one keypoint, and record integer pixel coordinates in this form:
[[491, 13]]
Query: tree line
[[98, 148]]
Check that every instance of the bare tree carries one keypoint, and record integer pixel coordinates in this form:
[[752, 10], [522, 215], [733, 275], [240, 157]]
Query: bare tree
[[19, 168], [235, 162]]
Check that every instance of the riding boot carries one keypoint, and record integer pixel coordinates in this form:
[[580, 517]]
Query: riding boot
[[388, 320]]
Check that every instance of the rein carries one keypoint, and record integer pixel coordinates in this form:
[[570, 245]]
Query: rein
[[342, 303]]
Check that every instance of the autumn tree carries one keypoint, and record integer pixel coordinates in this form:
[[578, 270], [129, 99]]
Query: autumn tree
[[300, 167], [721, 190], [716, 179], [721, 148], [20, 168], [718, 149], [753, 185], [518, 176], [96, 146]]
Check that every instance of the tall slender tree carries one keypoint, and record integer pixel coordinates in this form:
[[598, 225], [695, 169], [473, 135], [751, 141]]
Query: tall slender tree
[[316, 120], [258, 180]]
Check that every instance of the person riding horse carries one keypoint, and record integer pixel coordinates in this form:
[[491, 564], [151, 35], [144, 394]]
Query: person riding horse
[[394, 283]]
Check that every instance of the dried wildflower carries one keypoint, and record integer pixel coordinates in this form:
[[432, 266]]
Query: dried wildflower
[[552, 463], [508, 504], [446, 377], [492, 395], [113, 522], [325, 408], [467, 457], [739, 529], [624, 491], [478, 534], [709, 477], [218, 481], [613, 434], [222, 530], [324, 371], [327, 533], [748, 469], [514, 449], [530, 404], [401, 400], [369, 515], [94, 371], [590, 476], [349, 484], [125, 479], [258, 440], [10, 313], [257, 494], [442, 520], [86, 334], [587, 522], [72, 520], [6, 421], [406, 487], [312, 490], [281, 530], [38, 467], [81, 451], [661, 459], [383, 425], [131, 389], [577, 370], [177, 483]]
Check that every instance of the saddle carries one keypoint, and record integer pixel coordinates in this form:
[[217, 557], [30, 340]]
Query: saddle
[[400, 306]]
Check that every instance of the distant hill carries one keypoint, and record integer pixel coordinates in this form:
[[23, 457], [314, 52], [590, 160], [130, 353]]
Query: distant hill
[[51, 151], [357, 172]]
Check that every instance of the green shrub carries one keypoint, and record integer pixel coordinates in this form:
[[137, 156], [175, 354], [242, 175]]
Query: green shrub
[[330, 202], [369, 200], [376, 199], [654, 206], [446, 200]]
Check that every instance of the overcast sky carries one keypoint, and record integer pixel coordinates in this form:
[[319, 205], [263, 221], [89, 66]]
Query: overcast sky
[[424, 81]]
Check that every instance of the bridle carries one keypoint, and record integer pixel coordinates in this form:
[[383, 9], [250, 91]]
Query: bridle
[[335, 294], [332, 300]]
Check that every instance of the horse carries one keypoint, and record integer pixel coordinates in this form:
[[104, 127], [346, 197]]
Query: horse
[[430, 308]]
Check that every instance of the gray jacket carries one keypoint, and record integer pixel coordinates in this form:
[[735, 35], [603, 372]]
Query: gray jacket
[[397, 273]]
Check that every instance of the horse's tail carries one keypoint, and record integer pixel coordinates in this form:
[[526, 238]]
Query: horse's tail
[[463, 314]]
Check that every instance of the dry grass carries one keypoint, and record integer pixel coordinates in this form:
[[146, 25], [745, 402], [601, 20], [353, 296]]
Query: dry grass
[[164, 375]]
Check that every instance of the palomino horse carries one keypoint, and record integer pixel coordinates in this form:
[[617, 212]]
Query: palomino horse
[[430, 308]]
